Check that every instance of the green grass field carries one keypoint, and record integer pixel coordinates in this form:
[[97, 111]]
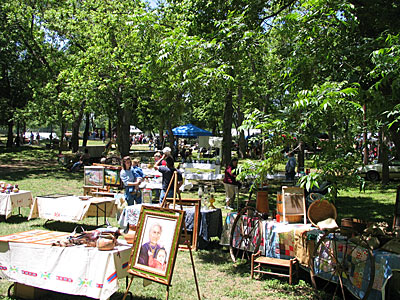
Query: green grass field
[[36, 169]]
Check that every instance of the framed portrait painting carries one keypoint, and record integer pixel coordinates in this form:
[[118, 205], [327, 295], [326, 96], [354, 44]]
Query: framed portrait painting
[[94, 176], [157, 237]]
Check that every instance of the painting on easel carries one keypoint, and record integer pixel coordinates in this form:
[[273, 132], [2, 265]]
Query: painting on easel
[[153, 256]]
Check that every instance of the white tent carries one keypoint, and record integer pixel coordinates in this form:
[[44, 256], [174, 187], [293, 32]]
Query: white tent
[[248, 132], [43, 135], [134, 129]]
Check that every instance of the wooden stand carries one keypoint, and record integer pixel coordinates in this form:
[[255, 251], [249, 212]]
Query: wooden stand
[[187, 236], [164, 204], [257, 262]]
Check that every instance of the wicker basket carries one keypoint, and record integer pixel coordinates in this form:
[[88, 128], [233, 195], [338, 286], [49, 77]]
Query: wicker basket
[[321, 210]]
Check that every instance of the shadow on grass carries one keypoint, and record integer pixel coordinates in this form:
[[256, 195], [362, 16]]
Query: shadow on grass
[[119, 295], [65, 226], [214, 256], [14, 219], [53, 173], [364, 208], [46, 294]]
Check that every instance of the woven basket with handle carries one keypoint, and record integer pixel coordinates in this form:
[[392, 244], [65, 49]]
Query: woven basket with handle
[[321, 210]]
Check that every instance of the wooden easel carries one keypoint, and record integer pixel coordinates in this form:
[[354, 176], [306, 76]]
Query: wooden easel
[[164, 204]]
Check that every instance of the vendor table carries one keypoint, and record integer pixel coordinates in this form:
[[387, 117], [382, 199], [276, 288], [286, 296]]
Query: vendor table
[[204, 176], [72, 208], [28, 258], [9, 201], [277, 238], [359, 273], [210, 223], [279, 241]]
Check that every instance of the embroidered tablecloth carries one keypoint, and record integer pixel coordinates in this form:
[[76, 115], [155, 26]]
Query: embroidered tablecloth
[[27, 258], [70, 208], [9, 201]]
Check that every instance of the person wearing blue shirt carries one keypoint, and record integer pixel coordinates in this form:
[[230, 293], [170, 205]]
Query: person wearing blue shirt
[[140, 175], [136, 169], [130, 181]]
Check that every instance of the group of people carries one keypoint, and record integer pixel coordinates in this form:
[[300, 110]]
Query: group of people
[[132, 175]]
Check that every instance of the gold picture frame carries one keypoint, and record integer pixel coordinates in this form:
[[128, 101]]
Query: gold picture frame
[[157, 238]]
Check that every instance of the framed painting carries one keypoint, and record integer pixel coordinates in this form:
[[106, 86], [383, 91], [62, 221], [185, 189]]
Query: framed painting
[[93, 176], [111, 176], [157, 237], [192, 209]]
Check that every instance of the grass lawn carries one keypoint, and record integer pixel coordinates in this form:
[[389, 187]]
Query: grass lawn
[[36, 169]]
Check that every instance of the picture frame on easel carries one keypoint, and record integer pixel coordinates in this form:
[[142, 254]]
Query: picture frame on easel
[[93, 176], [154, 253], [193, 235]]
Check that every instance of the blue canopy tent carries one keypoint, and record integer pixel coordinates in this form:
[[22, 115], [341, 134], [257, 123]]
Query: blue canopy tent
[[190, 131]]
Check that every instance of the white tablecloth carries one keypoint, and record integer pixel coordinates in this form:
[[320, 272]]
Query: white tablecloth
[[203, 176], [9, 201], [76, 270], [69, 208]]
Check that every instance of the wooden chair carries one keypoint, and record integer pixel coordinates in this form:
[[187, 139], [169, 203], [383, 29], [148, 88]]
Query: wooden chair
[[258, 262], [293, 203]]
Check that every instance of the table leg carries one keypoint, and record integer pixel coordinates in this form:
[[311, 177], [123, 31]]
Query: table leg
[[105, 213], [97, 215]]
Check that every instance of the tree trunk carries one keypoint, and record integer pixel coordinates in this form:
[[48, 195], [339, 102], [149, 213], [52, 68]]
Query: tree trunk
[[365, 143], [51, 135], [300, 157], [264, 110], [384, 158], [63, 139], [161, 137], [240, 118], [123, 127], [395, 137], [10, 137], [17, 139], [227, 130], [171, 140], [86, 132], [109, 128], [75, 128]]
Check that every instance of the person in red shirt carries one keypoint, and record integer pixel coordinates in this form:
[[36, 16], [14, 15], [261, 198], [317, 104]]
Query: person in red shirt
[[230, 183]]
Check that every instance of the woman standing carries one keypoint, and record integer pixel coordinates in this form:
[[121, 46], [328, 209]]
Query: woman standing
[[130, 181], [230, 183]]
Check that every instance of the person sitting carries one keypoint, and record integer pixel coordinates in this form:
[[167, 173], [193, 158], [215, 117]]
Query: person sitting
[[84, 160], [230, 183]]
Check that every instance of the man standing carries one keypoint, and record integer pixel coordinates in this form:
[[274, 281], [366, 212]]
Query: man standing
[[290, 167]]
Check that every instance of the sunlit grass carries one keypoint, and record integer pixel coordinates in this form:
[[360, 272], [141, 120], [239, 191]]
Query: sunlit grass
[[36, 169]]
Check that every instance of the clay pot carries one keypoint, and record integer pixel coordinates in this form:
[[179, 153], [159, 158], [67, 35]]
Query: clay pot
[[106, 242], [130, 236]]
